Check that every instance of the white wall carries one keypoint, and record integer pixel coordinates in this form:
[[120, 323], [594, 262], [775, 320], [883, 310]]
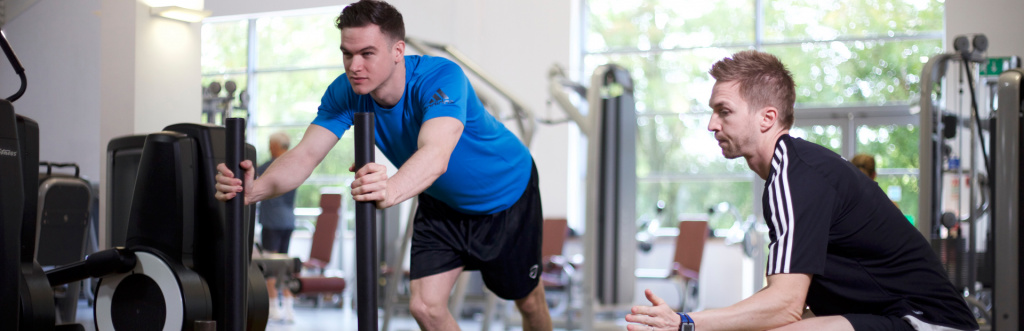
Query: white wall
[[85, 56], [98, 69], [58, 44], [999, 20], [167, 73], [117, 78]]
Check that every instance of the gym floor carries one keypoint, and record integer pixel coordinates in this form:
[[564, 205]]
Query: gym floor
[[309, 318]]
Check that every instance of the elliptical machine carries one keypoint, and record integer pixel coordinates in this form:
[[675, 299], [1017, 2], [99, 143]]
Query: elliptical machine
[[186, 262]]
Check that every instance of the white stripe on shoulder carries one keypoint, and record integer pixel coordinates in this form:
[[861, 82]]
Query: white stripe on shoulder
[[788, 216], [776, 257], [774, 244], [781, 206]]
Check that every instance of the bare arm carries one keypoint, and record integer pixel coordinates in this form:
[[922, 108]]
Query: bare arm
[[778, 304], [285, 174], [436, 141]]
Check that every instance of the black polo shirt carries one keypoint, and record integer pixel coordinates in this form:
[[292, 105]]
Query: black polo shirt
[[828, 219]]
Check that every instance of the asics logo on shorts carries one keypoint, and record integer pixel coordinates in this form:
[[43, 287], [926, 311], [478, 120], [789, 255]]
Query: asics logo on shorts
[[533, 271]]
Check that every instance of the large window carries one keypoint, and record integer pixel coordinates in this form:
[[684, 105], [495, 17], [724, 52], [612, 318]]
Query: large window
[[284, 62], [856, 64]]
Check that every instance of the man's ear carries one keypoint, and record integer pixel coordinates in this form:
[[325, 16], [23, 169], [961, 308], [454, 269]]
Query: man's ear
[[399, 49], [769, 117]]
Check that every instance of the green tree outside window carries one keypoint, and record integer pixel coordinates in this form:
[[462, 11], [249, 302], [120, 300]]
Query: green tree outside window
[[860, 53]]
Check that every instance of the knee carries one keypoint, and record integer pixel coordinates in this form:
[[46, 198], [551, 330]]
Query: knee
[[425, 312], [533, 303]]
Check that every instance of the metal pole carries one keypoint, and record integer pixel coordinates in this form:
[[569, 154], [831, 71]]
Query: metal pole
[[1006, 227], [234, 299], [929, 201], [366, 253], [974, 188]]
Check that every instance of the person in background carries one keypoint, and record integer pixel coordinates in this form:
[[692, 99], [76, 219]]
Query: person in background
[[278, 218], [866, 164]]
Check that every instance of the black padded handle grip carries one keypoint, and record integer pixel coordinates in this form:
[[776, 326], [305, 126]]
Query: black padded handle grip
[[235, 293], [366, 253]]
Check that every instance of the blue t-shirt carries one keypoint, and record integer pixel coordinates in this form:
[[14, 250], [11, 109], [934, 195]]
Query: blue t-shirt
[[489, 168]]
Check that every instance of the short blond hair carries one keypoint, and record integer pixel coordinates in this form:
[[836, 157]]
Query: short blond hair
[[763, 79]]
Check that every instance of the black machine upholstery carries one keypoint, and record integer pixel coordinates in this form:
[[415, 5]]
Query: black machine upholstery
[[123, 155]]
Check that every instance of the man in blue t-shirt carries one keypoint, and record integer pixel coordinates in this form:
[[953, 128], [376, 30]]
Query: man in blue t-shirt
[[479, 199], [838, 245]]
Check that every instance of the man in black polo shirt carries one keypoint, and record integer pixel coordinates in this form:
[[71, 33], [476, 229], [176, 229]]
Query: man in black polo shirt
[[838, 245]]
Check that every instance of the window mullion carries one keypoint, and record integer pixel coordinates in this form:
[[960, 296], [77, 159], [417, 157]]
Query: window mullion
[[758, 23], [250, 74]]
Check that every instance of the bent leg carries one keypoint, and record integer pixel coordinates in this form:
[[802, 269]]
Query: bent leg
[[429, 302], [534, 309]]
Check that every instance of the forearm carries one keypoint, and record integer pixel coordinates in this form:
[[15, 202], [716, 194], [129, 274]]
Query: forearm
[[767, 309], [437, 140], [417, 174], [293, 167], [280, 178]]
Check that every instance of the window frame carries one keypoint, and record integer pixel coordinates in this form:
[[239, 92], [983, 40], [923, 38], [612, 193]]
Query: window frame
[[252, 71], [849, 118]]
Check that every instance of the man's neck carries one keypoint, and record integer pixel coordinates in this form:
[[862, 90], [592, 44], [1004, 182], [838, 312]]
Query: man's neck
[[761, 161], [389, 93]]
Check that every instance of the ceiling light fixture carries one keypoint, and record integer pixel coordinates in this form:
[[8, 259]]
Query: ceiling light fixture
[[180, 13]]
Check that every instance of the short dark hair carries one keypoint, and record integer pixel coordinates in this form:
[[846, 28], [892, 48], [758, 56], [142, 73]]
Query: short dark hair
[[379, 13], [763, 79]]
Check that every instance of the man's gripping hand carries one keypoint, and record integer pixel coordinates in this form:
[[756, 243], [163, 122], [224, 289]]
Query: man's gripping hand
[[371, 184], [228, 186]]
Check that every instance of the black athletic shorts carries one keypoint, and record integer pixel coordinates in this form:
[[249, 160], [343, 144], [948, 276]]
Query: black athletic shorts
[[866, 322], [504, 246]]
